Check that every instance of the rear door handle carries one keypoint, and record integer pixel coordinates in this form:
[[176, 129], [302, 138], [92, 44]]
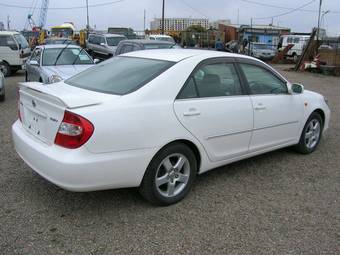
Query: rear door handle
[[192, 112], [259, 108]]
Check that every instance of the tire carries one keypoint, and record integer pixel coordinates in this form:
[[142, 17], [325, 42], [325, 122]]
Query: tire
[[26, 77], [173, 183], [5, 69], [2, 98], [311, 134]]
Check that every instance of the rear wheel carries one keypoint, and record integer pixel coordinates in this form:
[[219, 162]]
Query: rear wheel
[[311, 134], [2, 97], [170, 175], [5, 69], [295, 57]]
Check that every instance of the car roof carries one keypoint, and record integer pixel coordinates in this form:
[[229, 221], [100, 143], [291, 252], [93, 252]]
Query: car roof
[[56, 46], [158, 35], [107, 35], [142, 41], [9, 33], [176, 55]]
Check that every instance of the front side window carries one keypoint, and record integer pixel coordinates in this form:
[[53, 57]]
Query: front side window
[[213, 80], [65, 56], [21, 41], [113, 41], [262, 81], [119, 75], [36, 55]]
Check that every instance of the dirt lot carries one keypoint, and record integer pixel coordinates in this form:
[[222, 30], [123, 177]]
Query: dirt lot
[[278, 203]]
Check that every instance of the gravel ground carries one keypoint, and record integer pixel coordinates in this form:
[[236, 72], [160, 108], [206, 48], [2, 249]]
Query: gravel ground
[[277, 203]]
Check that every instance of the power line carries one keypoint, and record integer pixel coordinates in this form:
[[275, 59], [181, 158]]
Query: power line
[[62, 8], [288, 12], [194, 9], [283, 7]]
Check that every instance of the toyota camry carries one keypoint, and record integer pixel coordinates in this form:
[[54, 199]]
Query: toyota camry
[[156, 119]]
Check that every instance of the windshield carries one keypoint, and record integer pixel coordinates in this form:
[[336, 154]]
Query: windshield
[[167, 39], [60, 41], [68, 56], [21, 41], [62, 32], [261, 46], [119, 75], [158, 46], [113, 41]]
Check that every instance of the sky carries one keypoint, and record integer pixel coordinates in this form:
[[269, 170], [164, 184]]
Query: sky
[[130, 13]]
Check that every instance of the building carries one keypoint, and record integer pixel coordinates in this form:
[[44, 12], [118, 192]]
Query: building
[[215, 24], [177, 24], [2, 26], [268, 34]]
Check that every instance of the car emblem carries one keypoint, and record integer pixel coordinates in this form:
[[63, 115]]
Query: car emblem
[[34, 103]]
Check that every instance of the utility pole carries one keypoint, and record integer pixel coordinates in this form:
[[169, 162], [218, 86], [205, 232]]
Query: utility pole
[[238, 16], [317, 33], [8, 21], [87, 19], [144, 20], [162, 24], [251, 38]]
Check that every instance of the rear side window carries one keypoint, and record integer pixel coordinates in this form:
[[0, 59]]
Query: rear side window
[[119, 75], [213, 80]]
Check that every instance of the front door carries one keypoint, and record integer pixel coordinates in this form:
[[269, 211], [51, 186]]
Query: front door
[[214, 108], [277, 114]]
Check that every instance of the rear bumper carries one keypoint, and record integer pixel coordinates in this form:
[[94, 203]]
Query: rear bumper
[[80, 170]]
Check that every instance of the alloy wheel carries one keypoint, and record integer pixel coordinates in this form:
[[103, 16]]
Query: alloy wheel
[[312, 133], [172, 175]]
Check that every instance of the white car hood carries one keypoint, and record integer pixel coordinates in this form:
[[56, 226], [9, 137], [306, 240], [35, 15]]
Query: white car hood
[[65, 71]]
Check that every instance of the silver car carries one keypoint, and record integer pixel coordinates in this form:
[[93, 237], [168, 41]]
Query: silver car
[[262, 51], [103, 45], [2, 86], [53, 63]]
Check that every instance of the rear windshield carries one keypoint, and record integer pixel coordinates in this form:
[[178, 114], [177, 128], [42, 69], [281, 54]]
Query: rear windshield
[[119, 75], [158, 46], [113, 41]]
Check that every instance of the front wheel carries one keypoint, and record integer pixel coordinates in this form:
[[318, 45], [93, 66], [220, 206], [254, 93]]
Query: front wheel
[[5, 69], [170, 175], [311, 134]]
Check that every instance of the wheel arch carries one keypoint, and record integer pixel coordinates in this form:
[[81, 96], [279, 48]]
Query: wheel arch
[[192, 146], [321, 113]]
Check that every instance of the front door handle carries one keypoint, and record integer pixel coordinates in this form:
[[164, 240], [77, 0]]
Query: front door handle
[[192, 112]]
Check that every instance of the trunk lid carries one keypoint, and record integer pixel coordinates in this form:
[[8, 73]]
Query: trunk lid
[[42, 107]]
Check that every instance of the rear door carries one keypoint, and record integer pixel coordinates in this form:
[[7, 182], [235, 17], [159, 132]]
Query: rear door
[[277, 114], [214, 107]]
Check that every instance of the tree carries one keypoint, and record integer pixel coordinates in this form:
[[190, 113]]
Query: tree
[[196, 29]]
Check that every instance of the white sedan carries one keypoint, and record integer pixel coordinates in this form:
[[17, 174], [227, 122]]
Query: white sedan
[[156, 119]]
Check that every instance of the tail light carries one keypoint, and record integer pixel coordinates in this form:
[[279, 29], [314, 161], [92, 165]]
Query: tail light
[[73, 131]]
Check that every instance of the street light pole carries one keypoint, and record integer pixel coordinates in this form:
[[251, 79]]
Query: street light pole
[[87, 18], [162, 25], [317, 33], [323, 17]]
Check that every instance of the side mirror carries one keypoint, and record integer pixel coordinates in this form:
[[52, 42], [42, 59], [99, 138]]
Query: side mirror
[[297, 88], [96, 60], [33, 63]]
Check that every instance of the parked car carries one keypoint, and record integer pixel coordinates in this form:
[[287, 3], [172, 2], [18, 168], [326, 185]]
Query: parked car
[[2, 86], [14, 52], [134, 45], [299, 43], [261, 51], [58, 40], [55, 62], [156, 119], [103, 45], [166, 38]]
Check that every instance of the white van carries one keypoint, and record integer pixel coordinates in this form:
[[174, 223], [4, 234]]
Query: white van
[[14, 52], [166, 38], [299, 41]]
